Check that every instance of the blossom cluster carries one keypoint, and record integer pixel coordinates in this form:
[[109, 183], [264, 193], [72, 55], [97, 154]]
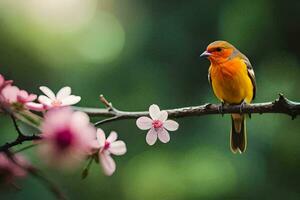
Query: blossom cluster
[[67, 136]]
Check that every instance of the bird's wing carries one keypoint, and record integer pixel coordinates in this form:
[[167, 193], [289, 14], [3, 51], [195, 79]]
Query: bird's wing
[[251, 73], [209, 78]]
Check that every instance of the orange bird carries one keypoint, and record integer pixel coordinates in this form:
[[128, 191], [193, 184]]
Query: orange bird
[[233, 82]]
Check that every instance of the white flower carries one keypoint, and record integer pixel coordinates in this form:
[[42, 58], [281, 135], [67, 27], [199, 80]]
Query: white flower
[[107, 146], [62, 98], [158, 125]]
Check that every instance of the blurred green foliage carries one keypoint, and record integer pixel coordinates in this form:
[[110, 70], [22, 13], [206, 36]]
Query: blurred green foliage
[[143, 52]]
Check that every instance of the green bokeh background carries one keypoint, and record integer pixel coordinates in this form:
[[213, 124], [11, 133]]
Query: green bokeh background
[[140, 52]]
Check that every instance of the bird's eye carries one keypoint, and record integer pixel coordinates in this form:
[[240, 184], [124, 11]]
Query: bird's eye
[[218, 49]]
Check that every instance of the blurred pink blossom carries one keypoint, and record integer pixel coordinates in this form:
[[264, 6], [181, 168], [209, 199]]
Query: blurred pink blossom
[[158, 125], [106, 147], [61, 99], [10, 170], [67, 136], [12, 94], [4, 82]]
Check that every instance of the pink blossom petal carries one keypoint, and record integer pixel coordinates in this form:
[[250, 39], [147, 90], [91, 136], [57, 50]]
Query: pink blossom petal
[[163, 135], [100, 137], [171, 125], [151, 136], [22, 96], [80, 123], [45, 100], [163, 116], [70, 100], [35, 106], [80, 118], [48, 92], [154, 111], [108, 164], [1, 80], [117, 148], [144, 123], [10, 93], [63, 93], [31, 97], [112, 137]]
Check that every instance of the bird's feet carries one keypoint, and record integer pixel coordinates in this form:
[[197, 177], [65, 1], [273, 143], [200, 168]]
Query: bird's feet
[[221, 108], [242, 106]]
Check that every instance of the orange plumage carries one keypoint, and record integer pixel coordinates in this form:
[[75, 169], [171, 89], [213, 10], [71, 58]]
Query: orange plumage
[[233, 82]]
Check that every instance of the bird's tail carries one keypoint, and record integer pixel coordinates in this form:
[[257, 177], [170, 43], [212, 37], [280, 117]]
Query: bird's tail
[[238, 135]]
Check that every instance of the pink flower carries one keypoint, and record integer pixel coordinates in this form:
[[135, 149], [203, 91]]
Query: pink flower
[[61, 99], [24, 97], [106, 147], [12, 94], [10, 170], [9, 94], [158, 125], [67, 136], [4, 82]]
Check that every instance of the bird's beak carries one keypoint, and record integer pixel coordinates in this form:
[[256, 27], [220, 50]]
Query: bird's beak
[[205, 54]]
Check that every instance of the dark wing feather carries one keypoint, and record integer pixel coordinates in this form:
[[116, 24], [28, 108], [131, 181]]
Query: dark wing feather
[[250, 73]]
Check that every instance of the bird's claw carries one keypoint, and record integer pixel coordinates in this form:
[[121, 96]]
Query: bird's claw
[[221, 109], [242, 105]]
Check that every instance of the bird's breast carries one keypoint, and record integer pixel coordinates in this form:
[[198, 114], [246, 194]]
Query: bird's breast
[[230, 81]]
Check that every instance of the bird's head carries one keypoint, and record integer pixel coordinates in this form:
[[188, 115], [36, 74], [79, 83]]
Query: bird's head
[[218, 51]]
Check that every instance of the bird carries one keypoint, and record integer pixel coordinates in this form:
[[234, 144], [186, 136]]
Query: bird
[[232, 79]]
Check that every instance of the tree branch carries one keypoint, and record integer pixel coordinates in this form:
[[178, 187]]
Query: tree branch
[[281, 105], [20, 139]]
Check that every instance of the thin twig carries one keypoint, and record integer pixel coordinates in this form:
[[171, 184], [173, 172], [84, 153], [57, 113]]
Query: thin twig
[[47, 182], [25, 148], [107, 120], [16, 125], [39, 176], [105, 102]]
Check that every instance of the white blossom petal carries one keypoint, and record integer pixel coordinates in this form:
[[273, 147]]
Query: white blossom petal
[[151, 136], [163, 116], [70, 100], [63, 93], [154, 111], [163, 135], [144, 123], [100, 137], [49, 93], [117, 148], [108, 164], [113, 136], [45, 100], [171, 125]]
